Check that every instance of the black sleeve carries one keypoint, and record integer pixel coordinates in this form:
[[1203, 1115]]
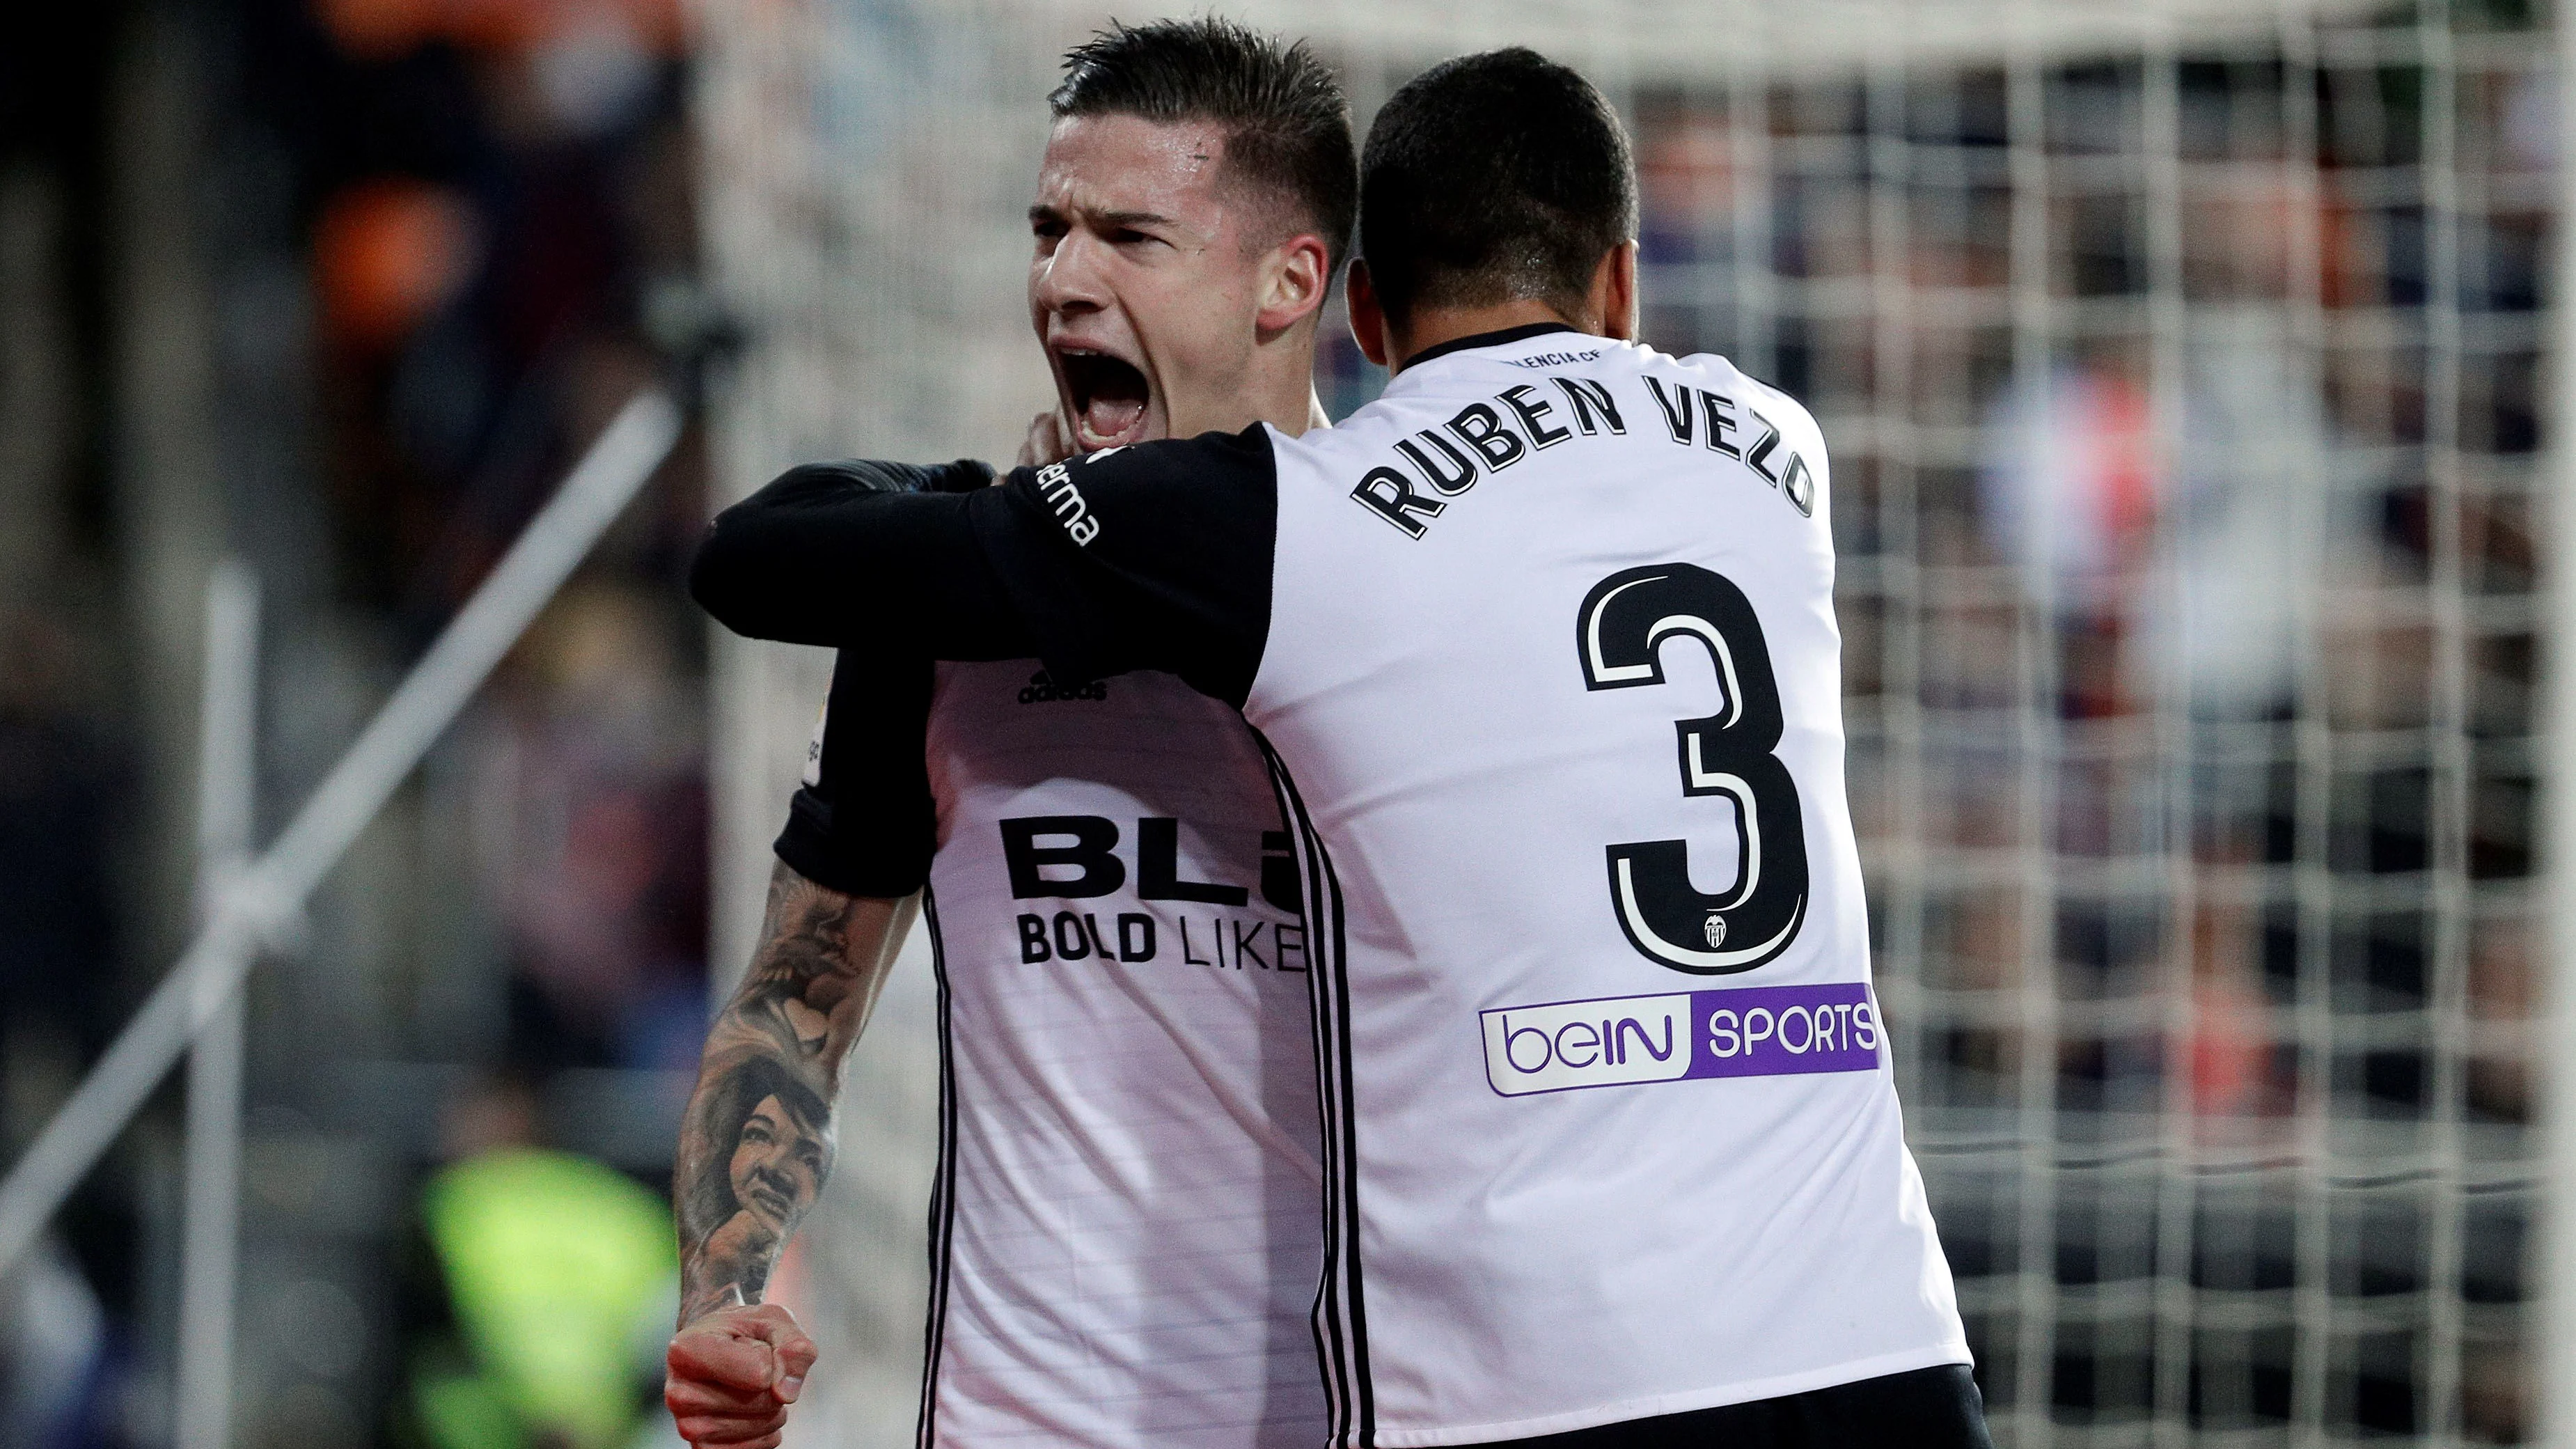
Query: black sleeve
[[859, 553], [867, 826], [1156, 556]]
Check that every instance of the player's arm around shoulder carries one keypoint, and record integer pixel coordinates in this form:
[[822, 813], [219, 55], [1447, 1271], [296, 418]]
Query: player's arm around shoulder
[[756, 1146], [1152, 556], [1155, 493]]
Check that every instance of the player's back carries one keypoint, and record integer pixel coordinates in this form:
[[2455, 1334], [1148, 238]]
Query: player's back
[[1552, 667], [1125, 1233]]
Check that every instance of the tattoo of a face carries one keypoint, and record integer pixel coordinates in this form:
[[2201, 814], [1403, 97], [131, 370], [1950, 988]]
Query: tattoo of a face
[[756, 1142], [768, 1149]]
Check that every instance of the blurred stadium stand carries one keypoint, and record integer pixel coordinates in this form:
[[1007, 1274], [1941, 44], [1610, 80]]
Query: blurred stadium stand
[[342, 290]]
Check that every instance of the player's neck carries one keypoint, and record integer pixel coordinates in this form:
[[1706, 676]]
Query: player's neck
[[1608, 308], [1281, 380], [1282, 391], [1304, 419], [1286, 400], [1282, 396], [1430, 327]]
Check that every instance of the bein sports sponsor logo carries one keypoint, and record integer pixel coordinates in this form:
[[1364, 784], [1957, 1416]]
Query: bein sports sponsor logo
[[1760, 1031]]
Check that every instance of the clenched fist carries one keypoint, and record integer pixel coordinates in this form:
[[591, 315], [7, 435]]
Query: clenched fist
[[733, 1372]]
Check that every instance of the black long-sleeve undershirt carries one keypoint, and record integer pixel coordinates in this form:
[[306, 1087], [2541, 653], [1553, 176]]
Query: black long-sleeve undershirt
[[867, 824], [1151, 557], [860, 554]]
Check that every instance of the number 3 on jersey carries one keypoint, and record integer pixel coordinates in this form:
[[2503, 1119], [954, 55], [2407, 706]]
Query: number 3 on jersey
[[1624, 621]]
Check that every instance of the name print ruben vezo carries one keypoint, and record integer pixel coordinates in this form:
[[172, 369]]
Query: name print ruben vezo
[[1435, 465]]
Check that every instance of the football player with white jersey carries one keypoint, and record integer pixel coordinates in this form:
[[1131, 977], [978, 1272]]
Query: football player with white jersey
[[1126, 1227], [1541, 646]]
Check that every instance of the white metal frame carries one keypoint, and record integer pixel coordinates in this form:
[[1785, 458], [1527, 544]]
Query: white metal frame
[[227, 780]]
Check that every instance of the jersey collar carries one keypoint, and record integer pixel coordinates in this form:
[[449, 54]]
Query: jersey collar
[[1483, 339]]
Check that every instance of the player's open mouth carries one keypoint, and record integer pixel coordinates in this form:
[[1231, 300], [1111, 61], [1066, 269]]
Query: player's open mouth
[[1109, 398]]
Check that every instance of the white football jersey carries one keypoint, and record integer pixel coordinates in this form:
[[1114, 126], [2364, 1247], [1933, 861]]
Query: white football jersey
[[1611, 1129], [1125, 1234]]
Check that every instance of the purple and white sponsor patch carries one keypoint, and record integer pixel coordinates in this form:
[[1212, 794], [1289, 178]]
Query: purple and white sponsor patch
[[1751, 1031]]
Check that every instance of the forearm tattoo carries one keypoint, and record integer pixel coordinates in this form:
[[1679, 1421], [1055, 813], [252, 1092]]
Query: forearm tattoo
[[756, 1141]]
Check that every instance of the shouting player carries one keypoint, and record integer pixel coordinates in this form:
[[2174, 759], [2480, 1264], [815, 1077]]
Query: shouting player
[[1126, 1222], [1542, 648]]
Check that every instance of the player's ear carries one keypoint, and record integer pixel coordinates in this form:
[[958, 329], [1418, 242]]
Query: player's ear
[[1293, 283], [1368, 315], [1613, 297]]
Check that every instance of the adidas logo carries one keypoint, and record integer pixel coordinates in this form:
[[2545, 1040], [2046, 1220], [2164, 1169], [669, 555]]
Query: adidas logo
[[1043, 690]]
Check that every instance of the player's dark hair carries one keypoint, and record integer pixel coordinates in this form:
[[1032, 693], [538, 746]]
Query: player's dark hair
[[1288, 127], [1490, 178]]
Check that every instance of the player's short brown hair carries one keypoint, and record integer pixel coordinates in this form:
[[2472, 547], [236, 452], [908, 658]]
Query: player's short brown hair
[[1287, 124]]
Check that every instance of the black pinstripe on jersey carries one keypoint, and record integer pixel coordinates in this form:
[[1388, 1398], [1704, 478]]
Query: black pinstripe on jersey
[[1341, 1310], [943, 1191]]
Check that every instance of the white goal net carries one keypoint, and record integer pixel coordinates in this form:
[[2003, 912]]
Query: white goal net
[[2183, 367]]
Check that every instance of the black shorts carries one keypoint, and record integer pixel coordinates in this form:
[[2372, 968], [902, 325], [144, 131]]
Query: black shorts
[[1933, 1408]]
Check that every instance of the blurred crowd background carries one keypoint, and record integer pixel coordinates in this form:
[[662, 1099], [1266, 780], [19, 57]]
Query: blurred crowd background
[[342, 289], [2184, 416]]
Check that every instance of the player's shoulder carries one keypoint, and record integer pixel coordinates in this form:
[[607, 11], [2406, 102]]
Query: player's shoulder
[[1719, 373], [1713, 373]]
